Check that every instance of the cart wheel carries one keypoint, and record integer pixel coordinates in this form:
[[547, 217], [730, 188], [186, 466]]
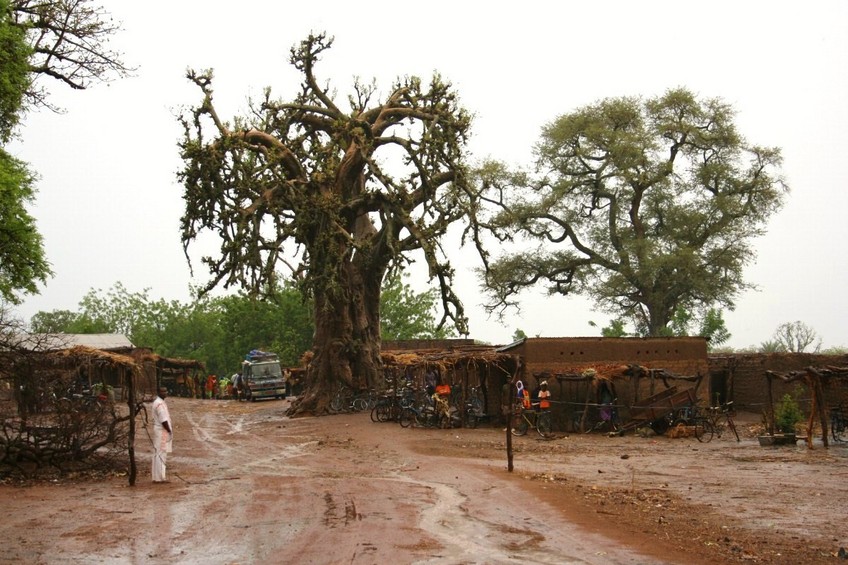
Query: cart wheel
[[660, 426]]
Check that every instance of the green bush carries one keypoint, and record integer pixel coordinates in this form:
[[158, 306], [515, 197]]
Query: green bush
[[788, 414]]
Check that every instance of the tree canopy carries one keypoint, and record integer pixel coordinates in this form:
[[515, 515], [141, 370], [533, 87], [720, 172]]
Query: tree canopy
[[217, 331], [68, 42], [647, 206], [23, 263], [405, 314], [220, 331], [15, 75], [64, 40], [335, 197], [796, 337]]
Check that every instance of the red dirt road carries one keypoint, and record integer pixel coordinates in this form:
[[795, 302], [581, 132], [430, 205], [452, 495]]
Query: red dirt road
[[251, 486]]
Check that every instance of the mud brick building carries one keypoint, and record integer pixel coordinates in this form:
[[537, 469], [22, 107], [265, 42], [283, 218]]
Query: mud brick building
[[583, 371]]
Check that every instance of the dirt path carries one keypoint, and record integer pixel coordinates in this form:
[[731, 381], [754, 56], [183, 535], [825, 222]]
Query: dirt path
[[250, 486]]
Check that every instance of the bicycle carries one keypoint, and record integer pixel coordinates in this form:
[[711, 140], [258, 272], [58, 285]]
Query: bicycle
[[473, 410], [387, 408], [601, 418], [345, 400], [423, 415], [708, 423], [539, 420], [838, 423]]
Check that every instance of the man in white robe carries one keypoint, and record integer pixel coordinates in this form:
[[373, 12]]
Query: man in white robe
[[163, 435]]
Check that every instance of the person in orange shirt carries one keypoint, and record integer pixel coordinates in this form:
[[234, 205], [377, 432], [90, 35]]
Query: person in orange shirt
[[544, 396], [210, 386]]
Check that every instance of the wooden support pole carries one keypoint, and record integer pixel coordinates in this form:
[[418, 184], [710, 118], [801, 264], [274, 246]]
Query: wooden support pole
[[131, 441], [822, 408], [770, 415], [813, 407]]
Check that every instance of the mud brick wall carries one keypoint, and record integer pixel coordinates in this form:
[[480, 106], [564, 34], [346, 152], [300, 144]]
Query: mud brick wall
[[680, 356], [746, 374], [548, 357]]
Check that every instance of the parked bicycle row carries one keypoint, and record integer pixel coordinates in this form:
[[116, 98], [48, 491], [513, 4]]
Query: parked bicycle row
[[441, 407], [444, 406]]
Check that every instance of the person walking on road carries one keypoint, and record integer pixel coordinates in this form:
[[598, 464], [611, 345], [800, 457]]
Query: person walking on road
[[163, 435]]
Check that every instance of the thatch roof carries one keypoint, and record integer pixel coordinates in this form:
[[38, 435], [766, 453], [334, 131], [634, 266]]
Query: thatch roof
[[82, 355], [167, 363], [444, 358]]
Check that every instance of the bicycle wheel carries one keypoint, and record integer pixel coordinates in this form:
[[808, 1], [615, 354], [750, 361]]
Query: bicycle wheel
[[837, 424], [336, 403], [543, 424], [732, 425], [388, 412], [444, 421], [470, 419], [360, 404], [521, 428], [375, 414], [704, 430], [427, 417], [407, 418], [372, 399]]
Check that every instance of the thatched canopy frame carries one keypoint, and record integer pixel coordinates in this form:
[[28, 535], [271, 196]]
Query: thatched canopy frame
[[581, 390], [464, 366], [816, 380]]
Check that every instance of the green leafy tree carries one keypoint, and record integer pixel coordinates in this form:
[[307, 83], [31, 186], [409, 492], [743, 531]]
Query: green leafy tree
[[648, 207], [614, 329], [281, 323], [117, 310], [348, 193], [405, 314], [217, 331], [15, 75], [57, 321], [518, 335], [714, 329], [23, 263], [190, 330]]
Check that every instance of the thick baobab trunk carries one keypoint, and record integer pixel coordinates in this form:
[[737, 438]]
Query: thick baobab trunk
[[346, 346]]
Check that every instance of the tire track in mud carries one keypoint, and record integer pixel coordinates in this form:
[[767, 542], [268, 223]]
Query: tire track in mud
[[466, 538], [235, 442]]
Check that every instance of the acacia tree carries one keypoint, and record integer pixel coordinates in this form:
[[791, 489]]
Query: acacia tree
[[348, 194], [649, 207]]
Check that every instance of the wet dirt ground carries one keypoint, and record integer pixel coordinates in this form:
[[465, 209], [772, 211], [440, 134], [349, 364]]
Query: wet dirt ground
[[248, 485]]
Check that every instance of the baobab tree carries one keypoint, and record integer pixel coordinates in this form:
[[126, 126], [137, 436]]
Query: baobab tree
[[333, 198]]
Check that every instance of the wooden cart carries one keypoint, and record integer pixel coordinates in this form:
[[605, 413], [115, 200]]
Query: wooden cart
[[659, 406]]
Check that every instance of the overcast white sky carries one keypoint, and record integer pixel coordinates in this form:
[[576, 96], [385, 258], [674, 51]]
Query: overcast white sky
[[108, 204]]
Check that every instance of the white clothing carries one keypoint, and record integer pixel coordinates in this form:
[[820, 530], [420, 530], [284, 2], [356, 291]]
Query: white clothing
[[162, 440]]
